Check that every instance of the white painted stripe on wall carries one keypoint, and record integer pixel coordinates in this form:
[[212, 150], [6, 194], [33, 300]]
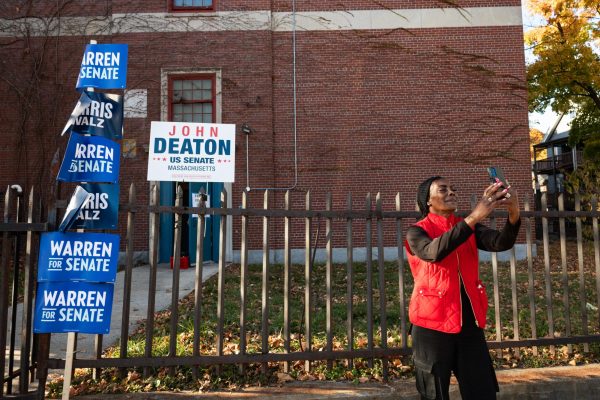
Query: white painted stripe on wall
[[401, 19], [264, 21]]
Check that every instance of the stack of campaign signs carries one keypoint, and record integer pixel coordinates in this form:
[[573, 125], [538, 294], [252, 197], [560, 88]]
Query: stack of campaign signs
[[77, 270]]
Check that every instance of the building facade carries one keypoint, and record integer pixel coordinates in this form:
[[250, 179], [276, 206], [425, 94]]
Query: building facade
[[350, 96]]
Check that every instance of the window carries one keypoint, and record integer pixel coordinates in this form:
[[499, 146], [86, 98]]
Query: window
[[191, 5], [192, 98]]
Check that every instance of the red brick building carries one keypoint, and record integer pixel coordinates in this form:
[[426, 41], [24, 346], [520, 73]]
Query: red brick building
[[349, 96]]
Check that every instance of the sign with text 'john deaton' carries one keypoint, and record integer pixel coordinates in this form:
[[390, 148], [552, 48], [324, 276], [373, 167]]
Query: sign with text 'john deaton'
[[191, 152]]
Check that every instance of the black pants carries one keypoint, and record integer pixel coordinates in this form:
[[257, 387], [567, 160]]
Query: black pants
[[437, 354]]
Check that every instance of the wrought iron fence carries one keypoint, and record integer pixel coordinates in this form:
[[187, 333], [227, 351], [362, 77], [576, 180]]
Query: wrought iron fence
[[547, 281]]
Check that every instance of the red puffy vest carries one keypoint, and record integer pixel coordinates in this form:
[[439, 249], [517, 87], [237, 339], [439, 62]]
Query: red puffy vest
[[435, 301]]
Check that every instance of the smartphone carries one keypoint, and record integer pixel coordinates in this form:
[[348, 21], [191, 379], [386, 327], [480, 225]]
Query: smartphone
[[496, 172]]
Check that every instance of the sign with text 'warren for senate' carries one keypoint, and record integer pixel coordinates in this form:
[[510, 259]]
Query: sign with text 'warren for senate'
[[191, 152], [75, 256], [73, 307], [90, 159], [104, 66]]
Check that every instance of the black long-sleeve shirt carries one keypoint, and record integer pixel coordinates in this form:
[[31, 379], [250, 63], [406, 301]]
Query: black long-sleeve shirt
[[434, 250]]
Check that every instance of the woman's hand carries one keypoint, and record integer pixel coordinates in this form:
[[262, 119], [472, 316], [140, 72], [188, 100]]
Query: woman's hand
[[511, 202], [492, 196]]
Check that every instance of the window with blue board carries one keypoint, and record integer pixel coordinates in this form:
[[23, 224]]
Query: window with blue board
[[191, 5]]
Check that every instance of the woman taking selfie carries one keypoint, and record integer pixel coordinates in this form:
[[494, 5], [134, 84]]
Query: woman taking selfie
[[449, 304]]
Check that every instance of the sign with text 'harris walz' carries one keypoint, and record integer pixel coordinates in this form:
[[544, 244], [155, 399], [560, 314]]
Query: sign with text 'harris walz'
[[75, 256], [104, 66], [97, 114], [191, 152], [101, 211], [82, 307], [90, 159]]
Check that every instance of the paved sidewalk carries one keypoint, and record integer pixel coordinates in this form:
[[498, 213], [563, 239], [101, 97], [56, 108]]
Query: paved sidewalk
[[559, 383]]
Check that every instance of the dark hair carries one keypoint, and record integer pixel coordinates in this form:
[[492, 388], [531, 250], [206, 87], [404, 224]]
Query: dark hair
[[423, 195]]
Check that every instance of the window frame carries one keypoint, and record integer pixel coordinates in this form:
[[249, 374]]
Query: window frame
[[174, 8], [191, 77]]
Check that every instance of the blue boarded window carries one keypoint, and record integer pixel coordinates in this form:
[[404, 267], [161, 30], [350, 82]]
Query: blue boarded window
[[178, 5]]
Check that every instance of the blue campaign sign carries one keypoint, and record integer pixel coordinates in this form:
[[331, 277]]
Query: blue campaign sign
[[83, 307], [97, 114], [102, 208], [75, 256], [104, 66], [90, 159]]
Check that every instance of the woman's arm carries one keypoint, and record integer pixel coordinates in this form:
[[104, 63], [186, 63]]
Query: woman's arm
[[434, 250], [492, 240]]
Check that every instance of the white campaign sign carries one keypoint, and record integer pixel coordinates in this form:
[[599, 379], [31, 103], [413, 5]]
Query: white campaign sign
[[191, 152]]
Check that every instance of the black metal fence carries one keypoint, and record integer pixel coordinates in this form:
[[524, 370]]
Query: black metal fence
[[548, 287]]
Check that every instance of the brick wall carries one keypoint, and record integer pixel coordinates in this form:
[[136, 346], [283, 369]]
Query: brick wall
[[377, 111]]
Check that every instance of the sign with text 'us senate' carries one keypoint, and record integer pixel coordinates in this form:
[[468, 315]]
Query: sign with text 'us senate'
[[90, 159], [191, 152], [75, 256], [104, 66], [82, 307]]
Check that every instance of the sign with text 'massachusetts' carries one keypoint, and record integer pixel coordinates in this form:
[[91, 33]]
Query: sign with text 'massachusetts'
[[104, 66], [191, 152], [90, 159], [74, 256], [73, 307]]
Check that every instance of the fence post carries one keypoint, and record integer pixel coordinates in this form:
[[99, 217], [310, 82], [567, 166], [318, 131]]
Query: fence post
[[584, 316], [243, 279], [328, 280], [307, 282], [176, 271], [28, 297], [596, 252], [4, 280], [350, 283], [265, 285], [381, 270], [198, 278], [401, 296], [565, 272], [287, 261], [127, 283], [153, 239], [221, 277], [531, 287], [547, 276], [369, 263]]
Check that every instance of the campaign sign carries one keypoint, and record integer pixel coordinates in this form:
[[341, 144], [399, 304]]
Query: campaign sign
[[76, 256], [73, 307], [191, 152], [102, 208], [104, 66], [79, 199], [90, 159], [97, 114]]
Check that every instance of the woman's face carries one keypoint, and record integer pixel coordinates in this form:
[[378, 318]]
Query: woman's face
[[442, 197]]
